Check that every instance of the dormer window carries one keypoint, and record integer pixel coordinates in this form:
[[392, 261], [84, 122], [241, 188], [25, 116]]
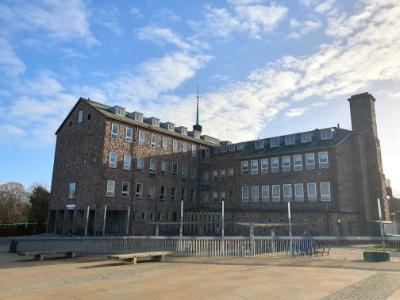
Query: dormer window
[[274, 142], [118, 110], [171, 126], [153, 121], [137, 116], [231, 148], [290, 139], [259, 144], [326, 134], [306, 137], [182, 130], [196, 134]]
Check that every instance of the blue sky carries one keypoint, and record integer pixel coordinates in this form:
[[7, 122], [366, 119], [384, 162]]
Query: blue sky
[[264, 68]]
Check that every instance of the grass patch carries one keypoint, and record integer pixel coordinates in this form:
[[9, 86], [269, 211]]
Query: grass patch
[[380, 249]]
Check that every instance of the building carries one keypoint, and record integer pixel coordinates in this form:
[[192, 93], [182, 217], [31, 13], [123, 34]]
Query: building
[[120, 173]]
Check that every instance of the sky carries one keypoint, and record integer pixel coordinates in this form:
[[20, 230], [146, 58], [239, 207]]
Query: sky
[[264, 68]]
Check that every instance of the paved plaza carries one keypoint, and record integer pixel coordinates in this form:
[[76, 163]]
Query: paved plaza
[[95, 277]]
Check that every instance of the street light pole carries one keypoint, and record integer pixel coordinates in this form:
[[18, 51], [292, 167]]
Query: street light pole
[[381, 223]]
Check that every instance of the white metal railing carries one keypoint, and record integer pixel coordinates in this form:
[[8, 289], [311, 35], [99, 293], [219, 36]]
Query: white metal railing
[[347, 248]]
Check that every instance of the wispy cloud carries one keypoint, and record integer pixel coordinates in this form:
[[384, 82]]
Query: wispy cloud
[[161, 36], [295, 112], [302, 28], [10, 63]]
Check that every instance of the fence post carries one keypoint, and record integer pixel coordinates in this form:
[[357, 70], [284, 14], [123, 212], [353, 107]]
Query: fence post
[[223, 228], [128, 220], [104, 220], [381, 223], [87, 220]]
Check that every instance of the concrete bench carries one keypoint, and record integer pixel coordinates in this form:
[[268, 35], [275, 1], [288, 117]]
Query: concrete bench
[[133, 257], [39, 255]]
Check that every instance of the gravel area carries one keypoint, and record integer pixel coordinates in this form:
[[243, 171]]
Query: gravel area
[[378, 286]]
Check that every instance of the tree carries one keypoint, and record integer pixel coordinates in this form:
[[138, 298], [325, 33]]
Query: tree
[[39, 200], [12, 209]]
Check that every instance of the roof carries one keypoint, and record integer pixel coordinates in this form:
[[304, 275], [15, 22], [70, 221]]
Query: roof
[[105, 110], [249, 150]]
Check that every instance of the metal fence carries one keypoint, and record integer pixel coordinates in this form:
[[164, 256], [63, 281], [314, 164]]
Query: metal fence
[[344, 248]]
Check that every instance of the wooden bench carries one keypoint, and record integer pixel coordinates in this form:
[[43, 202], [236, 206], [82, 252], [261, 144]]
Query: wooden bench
[[133, 257], [39, 255]]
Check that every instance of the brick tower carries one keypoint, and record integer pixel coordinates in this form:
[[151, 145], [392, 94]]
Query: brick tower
[[363, 118]]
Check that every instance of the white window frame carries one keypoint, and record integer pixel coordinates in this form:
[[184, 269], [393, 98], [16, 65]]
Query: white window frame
[[194, 150], [297, 162], [326, 134], [110, 192], [255, 193], [254, 166], [275, 165], [310, 166], [325, 196], [175, 146], [153, 166], [165, 143], [112, 160], [164, 167], [142, 137], [173, 193], [80, 116], [290, 139], [264, 193], [128, 135], [114, 133], [299, 197], [154, 140], [245, 194], [306, 137], [286, 163], [230, 172], [287, 192], [151, 191], [323, 162], [244, 166], [185, 147], [312, 197], [139, 194], [163, 194], [177, 169], [276, 193], [125, 194], [264, 165], [127, 162], [139, 166], [72, 190], [275, 142]]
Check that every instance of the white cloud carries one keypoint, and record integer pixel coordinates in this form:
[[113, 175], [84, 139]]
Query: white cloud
[[61, 20], [10, 64], [304, 27], [324, 6], [44, 84], [295, 112], [160, 35]]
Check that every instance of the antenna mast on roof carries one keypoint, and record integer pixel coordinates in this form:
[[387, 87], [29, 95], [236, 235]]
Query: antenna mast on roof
[[197, 126]]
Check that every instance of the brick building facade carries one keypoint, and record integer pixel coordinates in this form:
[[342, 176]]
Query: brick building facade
[[120, 173]]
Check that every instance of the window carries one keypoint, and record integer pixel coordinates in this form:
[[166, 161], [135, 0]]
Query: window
[[290, 139], [151, 216], [162, 193], [185, 147], [323, 160], [114, 131], [143, 216], [287, 192], [175, 169], [204, 196], [165, 143], [127, 162], [306, 137], [245, 194], [275, 165], [129, 135], [125, 190], [254, 166], [274, 142], [110, 188], [244, 166], [153, 166], [159, 216], [164, 167], [230, 196], [139, 190], [173, 193], [184, 170], [230, 172], [71, 190], [142, 137], [312, 191], [276, 193], [194, 150], [264, 193], [192, 195], [215, 175], [264, 165], [80, 116], [194, 173], [286, 164], [112, 160], [325, 191], [222, 196], [255, 193], [259, 144], [222, 173], [298, 162], [215, 196], [139, 163], [299, 192], [310, 161], [326, 134], [183, 194], [151, 191], [175, 146], [153, 141]]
